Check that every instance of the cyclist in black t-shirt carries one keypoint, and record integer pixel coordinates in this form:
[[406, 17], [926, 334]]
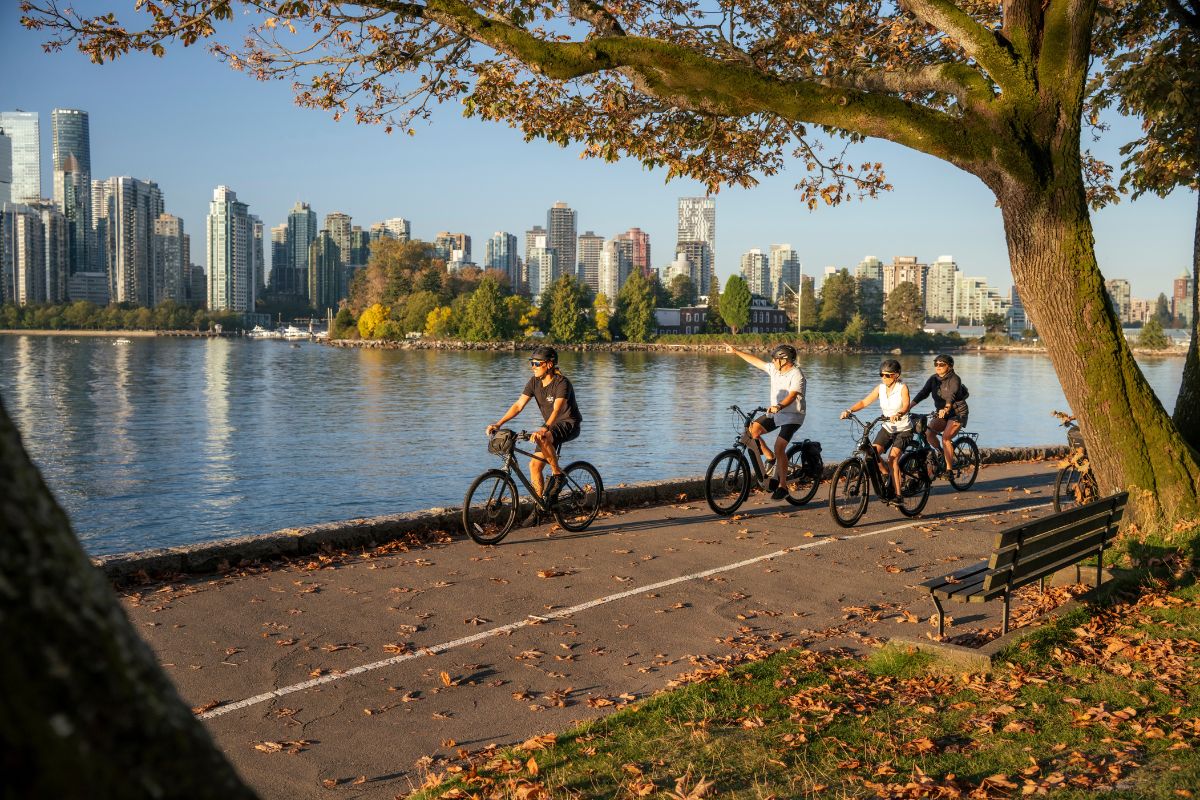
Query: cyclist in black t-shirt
[[556, 399]]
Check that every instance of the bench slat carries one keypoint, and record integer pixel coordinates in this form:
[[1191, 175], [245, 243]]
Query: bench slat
[[1040, 564], [1051, 542], [1063, 519], [958, 575], [1006, 554]]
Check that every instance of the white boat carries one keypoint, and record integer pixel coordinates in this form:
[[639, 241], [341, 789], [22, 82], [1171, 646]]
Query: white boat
[[122, 340], [292, 332], [260, 332]]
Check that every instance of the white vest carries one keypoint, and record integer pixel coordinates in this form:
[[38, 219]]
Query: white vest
[[891, 403]]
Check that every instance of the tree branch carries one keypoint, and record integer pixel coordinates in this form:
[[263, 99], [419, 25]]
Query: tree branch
[[984, 46], [692, 80]]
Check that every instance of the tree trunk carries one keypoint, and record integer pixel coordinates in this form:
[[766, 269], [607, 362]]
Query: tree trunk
[[1131, 440], [1187, 404], [85, 710]]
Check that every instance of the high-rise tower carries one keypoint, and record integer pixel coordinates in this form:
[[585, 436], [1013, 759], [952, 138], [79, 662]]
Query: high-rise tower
[[698, 223], [24, 128], [230, 253], [73, 180], [560, 237]]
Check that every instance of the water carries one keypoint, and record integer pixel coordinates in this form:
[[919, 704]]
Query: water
[[161, 441]]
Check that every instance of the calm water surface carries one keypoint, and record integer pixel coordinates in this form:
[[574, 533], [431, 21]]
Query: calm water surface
[[160, 441]]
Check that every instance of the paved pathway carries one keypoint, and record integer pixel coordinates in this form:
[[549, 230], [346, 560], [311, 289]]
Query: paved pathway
[[339, 680]]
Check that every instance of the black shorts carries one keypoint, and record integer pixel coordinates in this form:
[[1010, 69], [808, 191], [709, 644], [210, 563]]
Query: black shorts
[[564, 432], [786, 432], [958, 413], [899, 440]]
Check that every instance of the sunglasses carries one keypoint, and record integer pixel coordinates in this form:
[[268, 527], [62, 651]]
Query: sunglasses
[[888, 374], [535, 363], [940, 364]]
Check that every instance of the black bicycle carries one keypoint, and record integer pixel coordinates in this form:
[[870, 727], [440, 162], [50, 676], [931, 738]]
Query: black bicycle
[[852, 482], [728, 479], [964, 470], [492, 503], [1075, 484]]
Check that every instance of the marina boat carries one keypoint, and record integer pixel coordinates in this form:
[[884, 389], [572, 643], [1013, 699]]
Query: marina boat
[[260, 332], [292, 332]]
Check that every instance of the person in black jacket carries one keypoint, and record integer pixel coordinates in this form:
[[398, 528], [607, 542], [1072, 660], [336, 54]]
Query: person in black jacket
[[949, 403]]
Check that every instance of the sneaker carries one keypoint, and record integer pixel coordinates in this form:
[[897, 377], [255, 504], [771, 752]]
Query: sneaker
[[772, 486], [779, 493]]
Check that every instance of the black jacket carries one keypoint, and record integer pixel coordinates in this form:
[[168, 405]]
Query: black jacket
[[944, 390]]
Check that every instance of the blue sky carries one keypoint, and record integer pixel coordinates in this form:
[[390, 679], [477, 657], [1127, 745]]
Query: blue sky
[[189, 123]]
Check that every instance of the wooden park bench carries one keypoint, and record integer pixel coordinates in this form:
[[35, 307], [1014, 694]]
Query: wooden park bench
[[1032, 551]]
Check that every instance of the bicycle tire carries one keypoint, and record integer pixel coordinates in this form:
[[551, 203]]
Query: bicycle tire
[[914, 485], [728, 476], [966, 464], [489, 521], [1073, 488], [800, 485], [851, 483], [577, 501]]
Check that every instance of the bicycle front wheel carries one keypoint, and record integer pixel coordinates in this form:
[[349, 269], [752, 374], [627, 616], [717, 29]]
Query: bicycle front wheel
[[727, 482], [490, 507], [1073, 488], [800, 485], [914, 484], [849, 490], [577, 501], [966, 464]]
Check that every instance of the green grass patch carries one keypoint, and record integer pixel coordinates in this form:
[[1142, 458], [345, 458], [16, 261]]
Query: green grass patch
[[1102, 699]]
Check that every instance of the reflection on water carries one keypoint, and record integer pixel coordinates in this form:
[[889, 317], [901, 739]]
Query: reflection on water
[[169, 441]]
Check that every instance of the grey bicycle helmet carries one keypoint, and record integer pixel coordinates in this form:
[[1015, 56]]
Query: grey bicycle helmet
[[944, 359], [784, 351], [545, 354]]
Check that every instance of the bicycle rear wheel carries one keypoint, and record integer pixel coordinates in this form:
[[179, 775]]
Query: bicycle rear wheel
[[1073, 488], [849, 490], [577, 501], [727, 482], [801, 486], [914, 484], [966, 464], [490, 507]]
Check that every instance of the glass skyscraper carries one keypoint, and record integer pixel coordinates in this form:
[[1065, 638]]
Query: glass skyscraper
[[698, 223], [24, 129]]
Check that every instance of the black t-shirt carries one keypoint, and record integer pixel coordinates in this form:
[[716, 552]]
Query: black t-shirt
[[547, 395]]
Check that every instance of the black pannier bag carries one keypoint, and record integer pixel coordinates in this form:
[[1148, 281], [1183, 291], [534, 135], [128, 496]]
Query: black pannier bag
[[919, 423], [813, 465]]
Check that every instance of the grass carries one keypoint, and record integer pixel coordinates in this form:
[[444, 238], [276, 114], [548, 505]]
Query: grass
[[1102, 699]]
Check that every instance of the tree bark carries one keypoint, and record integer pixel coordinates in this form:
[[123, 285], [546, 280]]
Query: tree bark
[[1187, 404], [85, 710], [1131, 440]]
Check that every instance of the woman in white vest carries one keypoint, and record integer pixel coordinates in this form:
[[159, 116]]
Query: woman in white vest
[[897, 432]]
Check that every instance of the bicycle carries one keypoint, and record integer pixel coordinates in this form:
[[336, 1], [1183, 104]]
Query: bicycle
[[965, 468], [492, 503], [727, 481], [1075, 484], [852, 482]]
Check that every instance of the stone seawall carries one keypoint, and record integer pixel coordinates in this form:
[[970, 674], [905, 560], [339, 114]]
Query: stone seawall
[[369, 532]]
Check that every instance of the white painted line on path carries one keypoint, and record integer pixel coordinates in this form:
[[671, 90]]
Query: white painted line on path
[[537, 619]]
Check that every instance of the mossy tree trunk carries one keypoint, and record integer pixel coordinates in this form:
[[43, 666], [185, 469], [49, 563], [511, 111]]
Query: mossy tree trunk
[[85, 711], [1187, 403], [1129, 435]]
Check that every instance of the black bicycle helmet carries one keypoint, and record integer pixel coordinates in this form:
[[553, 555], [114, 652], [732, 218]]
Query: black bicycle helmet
[[891, 365], [545, 354], [784, 351], [944, 359]]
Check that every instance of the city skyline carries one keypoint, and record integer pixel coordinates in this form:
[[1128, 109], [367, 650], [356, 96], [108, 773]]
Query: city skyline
[[171, 125]]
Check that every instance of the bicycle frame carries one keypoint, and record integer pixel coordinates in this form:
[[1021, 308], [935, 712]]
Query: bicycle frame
[[919, 444], [747, 444], [864, 451], [511, 465]]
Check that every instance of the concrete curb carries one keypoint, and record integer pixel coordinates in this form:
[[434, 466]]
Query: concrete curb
[[369, 532]]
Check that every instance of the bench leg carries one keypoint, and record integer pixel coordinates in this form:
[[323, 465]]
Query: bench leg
[[941, 615], [1004, 628]]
